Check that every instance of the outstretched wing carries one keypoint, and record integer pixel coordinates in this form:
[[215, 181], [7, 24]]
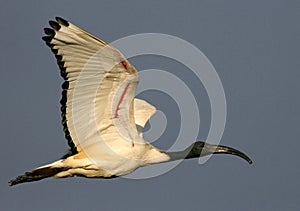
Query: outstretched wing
[[142, 113], [99, 86]]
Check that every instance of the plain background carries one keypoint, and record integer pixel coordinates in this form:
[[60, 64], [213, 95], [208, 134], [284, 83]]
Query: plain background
[[254, 46]]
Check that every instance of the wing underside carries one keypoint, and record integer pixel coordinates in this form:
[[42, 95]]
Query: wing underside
[[99, 87]]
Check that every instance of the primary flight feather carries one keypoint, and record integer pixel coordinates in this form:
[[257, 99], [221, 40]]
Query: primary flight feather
[[101, 118]]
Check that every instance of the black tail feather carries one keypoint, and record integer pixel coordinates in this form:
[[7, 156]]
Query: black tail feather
[[35, 175]]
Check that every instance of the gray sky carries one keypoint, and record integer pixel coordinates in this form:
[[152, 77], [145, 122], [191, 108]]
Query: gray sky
[[254, 46]]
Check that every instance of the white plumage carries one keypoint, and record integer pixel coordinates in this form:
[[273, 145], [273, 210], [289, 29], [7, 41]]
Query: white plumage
[[102, 120]]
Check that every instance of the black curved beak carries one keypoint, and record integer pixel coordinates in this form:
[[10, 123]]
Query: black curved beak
[[219, 149]]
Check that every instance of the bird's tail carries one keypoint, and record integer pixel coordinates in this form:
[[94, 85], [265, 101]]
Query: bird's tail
[[37, 174]]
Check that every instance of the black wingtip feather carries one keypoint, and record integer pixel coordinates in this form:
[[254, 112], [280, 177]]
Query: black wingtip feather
[[47, 38], [65, 85], [60, 64], [62, 21], [55, 51], [54, 25], [49, 32], [58, 57]]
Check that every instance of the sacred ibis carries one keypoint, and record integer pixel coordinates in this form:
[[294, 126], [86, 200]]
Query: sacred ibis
[[100, 115]]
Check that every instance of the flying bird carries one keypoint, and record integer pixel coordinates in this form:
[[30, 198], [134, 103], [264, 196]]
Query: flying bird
[[101, 117]]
